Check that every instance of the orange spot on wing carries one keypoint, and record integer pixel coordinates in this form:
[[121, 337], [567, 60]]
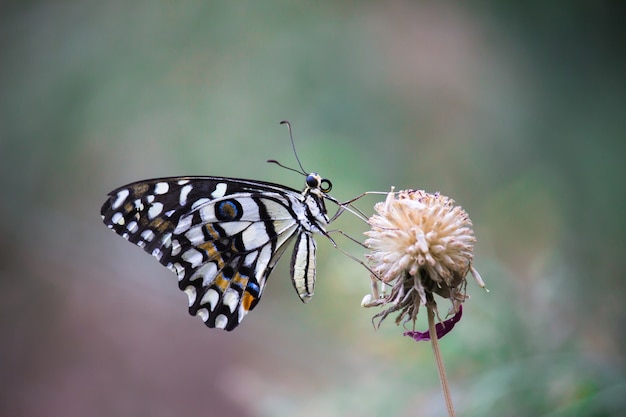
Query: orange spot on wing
[[161, 225], [240, 280], [212, 253], [139, 189], [247, 300], [221, 283], [211, 231]]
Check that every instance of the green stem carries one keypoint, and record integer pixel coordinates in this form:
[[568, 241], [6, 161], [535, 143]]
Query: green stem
[[442, 372]]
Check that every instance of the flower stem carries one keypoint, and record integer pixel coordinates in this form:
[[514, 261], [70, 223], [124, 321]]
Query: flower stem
[[442, 372]]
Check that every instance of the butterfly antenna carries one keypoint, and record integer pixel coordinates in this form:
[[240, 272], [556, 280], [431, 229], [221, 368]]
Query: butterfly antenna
[[293, 145], [273, 161]]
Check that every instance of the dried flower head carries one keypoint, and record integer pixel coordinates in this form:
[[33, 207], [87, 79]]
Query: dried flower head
[[421, 244]]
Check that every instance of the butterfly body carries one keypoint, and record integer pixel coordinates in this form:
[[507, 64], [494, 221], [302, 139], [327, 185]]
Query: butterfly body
[[222, 236]]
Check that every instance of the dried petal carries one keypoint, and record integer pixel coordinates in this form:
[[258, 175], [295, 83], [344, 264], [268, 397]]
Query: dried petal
[[442, 328]]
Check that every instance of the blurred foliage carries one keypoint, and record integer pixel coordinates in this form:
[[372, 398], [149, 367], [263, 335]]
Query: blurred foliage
[[514, 109]]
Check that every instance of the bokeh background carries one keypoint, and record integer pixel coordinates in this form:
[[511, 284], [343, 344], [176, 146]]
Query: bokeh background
[[515, 110]]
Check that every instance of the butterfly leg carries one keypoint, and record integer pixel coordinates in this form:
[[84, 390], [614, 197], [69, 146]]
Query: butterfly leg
[[341, 232], [349, 255], [347, 205]]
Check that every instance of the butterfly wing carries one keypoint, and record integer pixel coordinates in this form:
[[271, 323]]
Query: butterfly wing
[[221, 236]]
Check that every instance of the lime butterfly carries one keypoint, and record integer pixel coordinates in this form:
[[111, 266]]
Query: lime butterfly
[[223, 236]]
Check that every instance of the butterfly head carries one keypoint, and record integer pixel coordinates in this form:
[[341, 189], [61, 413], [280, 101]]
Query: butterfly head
[[315, 182]]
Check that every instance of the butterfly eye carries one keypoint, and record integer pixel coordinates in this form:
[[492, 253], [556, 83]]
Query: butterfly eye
[[313, 180], [326, 185]]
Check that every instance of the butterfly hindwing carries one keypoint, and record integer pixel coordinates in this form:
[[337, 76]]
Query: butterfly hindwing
[[221, 236]]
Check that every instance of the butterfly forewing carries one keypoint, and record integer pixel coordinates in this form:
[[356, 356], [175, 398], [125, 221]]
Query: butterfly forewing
[[221, 236]]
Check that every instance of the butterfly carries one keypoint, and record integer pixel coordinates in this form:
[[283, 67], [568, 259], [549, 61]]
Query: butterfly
[[223, 236]]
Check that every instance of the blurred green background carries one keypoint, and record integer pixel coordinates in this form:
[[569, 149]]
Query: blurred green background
[[515, 110]]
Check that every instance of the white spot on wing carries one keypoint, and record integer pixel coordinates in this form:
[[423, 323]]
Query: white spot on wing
[[147, 235], [232, 228], [138, 204], [249, 259], [210, 297], [195, 235], [207, 272], [183, 224], [242, 313], [166, 240], [220, 190], [175, 247], [203, 313], [191, 293], [121, 197], [207, 213], [180, 271], [261, 264], [221, 321], [231, 299], [161, 188], [117, 218], [184, 192], [211, 273], [255, 236], [155, 210], [199, 202], [251, 209], [132, 226], [193, 257]]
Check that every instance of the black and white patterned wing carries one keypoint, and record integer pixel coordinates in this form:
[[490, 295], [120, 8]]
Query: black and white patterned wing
[[221, 236]]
